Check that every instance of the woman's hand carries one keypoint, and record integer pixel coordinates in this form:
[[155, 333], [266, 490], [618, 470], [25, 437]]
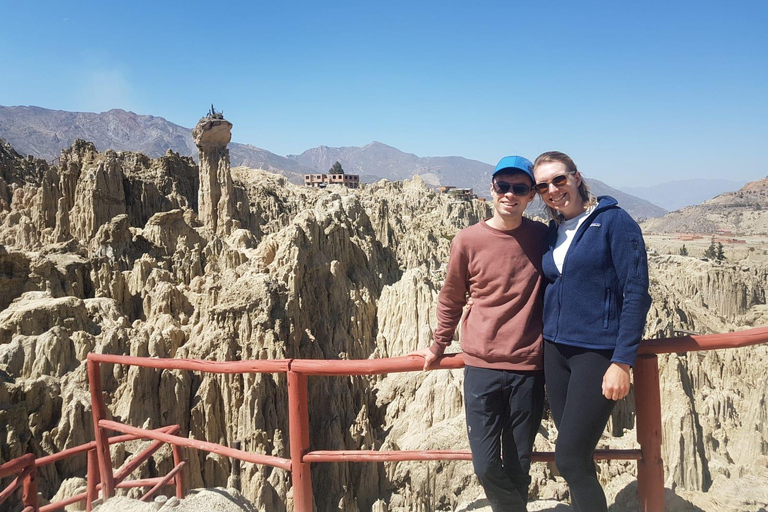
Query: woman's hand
[[428, 355], [616, 381]]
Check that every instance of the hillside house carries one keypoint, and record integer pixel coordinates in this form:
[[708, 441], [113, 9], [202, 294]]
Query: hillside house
[[461, 194], [323, 180]]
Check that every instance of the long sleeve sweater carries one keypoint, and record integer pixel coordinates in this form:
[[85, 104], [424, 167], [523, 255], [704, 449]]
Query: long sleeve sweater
[[502, 272]]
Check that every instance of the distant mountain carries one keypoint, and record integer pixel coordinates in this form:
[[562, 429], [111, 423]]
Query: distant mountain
[[679, 194], [744, 212], [44, 133], [378, 159], [382, 160], [637, 207], [257, 158]]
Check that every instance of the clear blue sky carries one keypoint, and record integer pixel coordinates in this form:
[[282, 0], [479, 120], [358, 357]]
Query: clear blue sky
[[638, 93]]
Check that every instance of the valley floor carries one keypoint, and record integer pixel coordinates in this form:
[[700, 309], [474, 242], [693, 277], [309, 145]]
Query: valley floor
[[748, 247]]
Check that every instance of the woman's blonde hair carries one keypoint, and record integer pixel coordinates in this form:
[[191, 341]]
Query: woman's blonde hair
[[570, 167]]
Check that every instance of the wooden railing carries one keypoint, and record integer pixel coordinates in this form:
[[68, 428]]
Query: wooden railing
[[26, 477], [650, 474], [25, 468]]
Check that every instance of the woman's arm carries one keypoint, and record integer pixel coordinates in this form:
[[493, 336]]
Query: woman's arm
[[631, 264]]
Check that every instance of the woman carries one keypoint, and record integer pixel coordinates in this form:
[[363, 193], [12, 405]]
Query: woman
[[595, 306]]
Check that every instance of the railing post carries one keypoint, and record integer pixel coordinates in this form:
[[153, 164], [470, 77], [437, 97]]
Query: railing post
[[29, 488], [650, 470], [92, 489], [179, 478], [235, 473], [102, 436], [298, 426]]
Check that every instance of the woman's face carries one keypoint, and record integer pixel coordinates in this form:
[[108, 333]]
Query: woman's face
[[564, 198]]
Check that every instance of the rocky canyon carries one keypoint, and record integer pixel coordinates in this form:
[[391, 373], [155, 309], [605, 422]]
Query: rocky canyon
[[118, 253]]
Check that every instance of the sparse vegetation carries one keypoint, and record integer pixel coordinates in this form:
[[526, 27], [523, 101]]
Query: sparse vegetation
[[715, 252], [683, 251], [336, 168]]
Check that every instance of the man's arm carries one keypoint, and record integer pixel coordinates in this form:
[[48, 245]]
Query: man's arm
[[450, 303]]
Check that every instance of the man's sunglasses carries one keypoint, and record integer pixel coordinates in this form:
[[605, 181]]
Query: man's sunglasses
[[559, 181], [519, 189]]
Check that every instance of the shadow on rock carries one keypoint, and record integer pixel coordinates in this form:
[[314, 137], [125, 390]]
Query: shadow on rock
[[626, 501], [482, 505]]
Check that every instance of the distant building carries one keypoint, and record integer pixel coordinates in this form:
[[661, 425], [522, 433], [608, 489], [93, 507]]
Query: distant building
[[315, 180], [462, 194], [323, 180], [727, 240]]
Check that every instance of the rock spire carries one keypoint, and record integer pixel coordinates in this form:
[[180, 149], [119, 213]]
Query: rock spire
[[215, 196]]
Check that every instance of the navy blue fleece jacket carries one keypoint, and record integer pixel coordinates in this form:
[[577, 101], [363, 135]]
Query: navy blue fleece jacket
[[601, 299]]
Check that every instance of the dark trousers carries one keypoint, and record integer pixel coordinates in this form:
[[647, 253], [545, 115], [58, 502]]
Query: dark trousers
[[503, 409], [574, 388]]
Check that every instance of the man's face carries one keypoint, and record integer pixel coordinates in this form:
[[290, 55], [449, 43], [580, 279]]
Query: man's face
[[510, 205]]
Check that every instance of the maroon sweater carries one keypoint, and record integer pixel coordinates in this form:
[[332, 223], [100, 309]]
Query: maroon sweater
[[502, 272]]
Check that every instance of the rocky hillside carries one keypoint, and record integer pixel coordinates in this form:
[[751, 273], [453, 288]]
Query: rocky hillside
[[114, 252], [744, 212], [44, 133]]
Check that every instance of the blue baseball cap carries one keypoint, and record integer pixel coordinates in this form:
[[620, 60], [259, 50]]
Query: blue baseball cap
[[517, 163]]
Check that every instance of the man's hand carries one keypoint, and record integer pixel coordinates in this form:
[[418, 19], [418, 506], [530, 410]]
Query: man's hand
[[616, 381], [428, 355]]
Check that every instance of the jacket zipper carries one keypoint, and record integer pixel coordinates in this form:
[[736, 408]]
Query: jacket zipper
[[576, 239]]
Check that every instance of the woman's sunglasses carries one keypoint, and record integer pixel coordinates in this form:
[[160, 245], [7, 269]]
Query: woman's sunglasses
[[559, 181], [519, 189]]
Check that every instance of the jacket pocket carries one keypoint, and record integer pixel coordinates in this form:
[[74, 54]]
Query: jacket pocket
[[607, 308]]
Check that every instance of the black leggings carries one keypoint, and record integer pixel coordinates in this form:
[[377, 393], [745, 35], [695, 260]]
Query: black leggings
[[574, 378]]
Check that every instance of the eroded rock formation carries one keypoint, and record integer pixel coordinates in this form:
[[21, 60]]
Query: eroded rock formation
[[111, 252], [216, 207]]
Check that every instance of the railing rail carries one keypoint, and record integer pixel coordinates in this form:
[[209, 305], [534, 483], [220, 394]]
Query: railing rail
[[26, 469], [647, 406], [26, 478]]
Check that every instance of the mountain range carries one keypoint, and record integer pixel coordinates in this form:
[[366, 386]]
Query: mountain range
[[743, 212], [44, 133], [681, 193]]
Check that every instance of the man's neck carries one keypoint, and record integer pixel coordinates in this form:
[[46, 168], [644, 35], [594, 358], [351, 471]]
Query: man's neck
[[504, 223]]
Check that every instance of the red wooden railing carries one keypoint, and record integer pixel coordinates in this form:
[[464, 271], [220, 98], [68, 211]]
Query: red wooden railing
[[650, 474], [26, 469], [26, 477]]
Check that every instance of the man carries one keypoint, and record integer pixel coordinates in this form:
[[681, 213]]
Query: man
[[498, 263]]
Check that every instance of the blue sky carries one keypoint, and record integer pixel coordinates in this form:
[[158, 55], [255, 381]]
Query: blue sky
[[637, 93]]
